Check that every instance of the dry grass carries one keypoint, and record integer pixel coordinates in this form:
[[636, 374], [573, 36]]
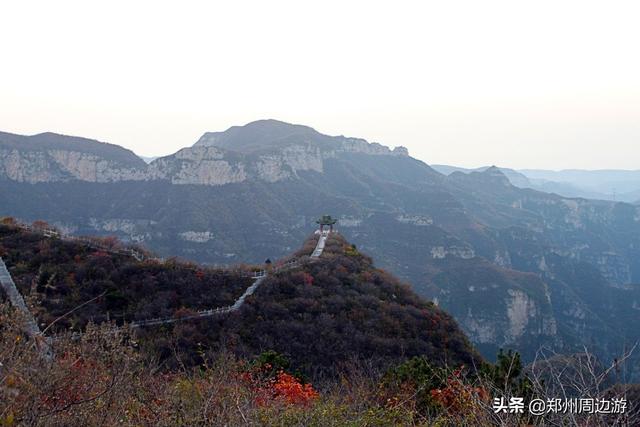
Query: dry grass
[[100, 379]]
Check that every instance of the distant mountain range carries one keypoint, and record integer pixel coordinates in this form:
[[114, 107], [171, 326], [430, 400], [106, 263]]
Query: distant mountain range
[[517, 267], [614, 185]]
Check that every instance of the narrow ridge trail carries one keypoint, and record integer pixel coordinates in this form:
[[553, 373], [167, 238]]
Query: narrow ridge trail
[[32, 328]]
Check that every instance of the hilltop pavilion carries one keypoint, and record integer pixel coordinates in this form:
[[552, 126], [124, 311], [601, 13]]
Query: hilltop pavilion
[[326, 220]]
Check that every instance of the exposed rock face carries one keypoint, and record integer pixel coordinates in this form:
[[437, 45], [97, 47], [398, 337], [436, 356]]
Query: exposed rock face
[[59, 165], [520, 308], [209, 172], [479, 330], [440, 252], [276, 167], [216, 159], [502, 259], [208, 165], [512, 309], [87, 167], [27, 167], [420, 220], [50, 158], [350, 221], [136, 230], [197, 165], [356, 145], [196, 236]]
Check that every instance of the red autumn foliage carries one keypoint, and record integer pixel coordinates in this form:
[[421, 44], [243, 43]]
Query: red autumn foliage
[[308, 279], [288, 387], [458, 396], [78, 386], [282, 387]]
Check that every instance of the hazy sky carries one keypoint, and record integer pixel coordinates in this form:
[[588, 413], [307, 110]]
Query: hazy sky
[[537, 84]]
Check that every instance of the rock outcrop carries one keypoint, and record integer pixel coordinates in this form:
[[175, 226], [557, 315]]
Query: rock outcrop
[[266, 150]]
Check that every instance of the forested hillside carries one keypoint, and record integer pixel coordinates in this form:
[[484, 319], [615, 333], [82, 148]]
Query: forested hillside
[[322, 314]]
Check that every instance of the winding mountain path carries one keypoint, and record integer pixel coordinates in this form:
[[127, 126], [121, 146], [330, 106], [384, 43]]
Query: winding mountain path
[[206, 313], [259, 276]]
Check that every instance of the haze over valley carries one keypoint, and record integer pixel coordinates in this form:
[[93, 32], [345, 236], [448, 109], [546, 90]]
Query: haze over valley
[[559, 271]]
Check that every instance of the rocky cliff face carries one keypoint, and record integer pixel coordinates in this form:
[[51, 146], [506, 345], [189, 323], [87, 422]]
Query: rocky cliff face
[[522, 318], [60, 165], [216, 159], [498, 308], [52, 158]]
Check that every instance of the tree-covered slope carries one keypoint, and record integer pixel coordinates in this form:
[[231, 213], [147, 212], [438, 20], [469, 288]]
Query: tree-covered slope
[[63, 275], [340, 307], [322, 314]]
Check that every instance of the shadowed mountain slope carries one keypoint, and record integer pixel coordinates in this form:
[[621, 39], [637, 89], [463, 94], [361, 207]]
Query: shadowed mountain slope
[[322, 313]]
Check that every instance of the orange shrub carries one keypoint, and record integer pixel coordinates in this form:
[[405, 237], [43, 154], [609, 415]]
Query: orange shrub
[[292, 391], [458, 397]]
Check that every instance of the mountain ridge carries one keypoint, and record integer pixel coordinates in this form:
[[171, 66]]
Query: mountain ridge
[[51, 157], [268, 134], [56, 141], [318, 311], [606, 184], [440, 233]]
